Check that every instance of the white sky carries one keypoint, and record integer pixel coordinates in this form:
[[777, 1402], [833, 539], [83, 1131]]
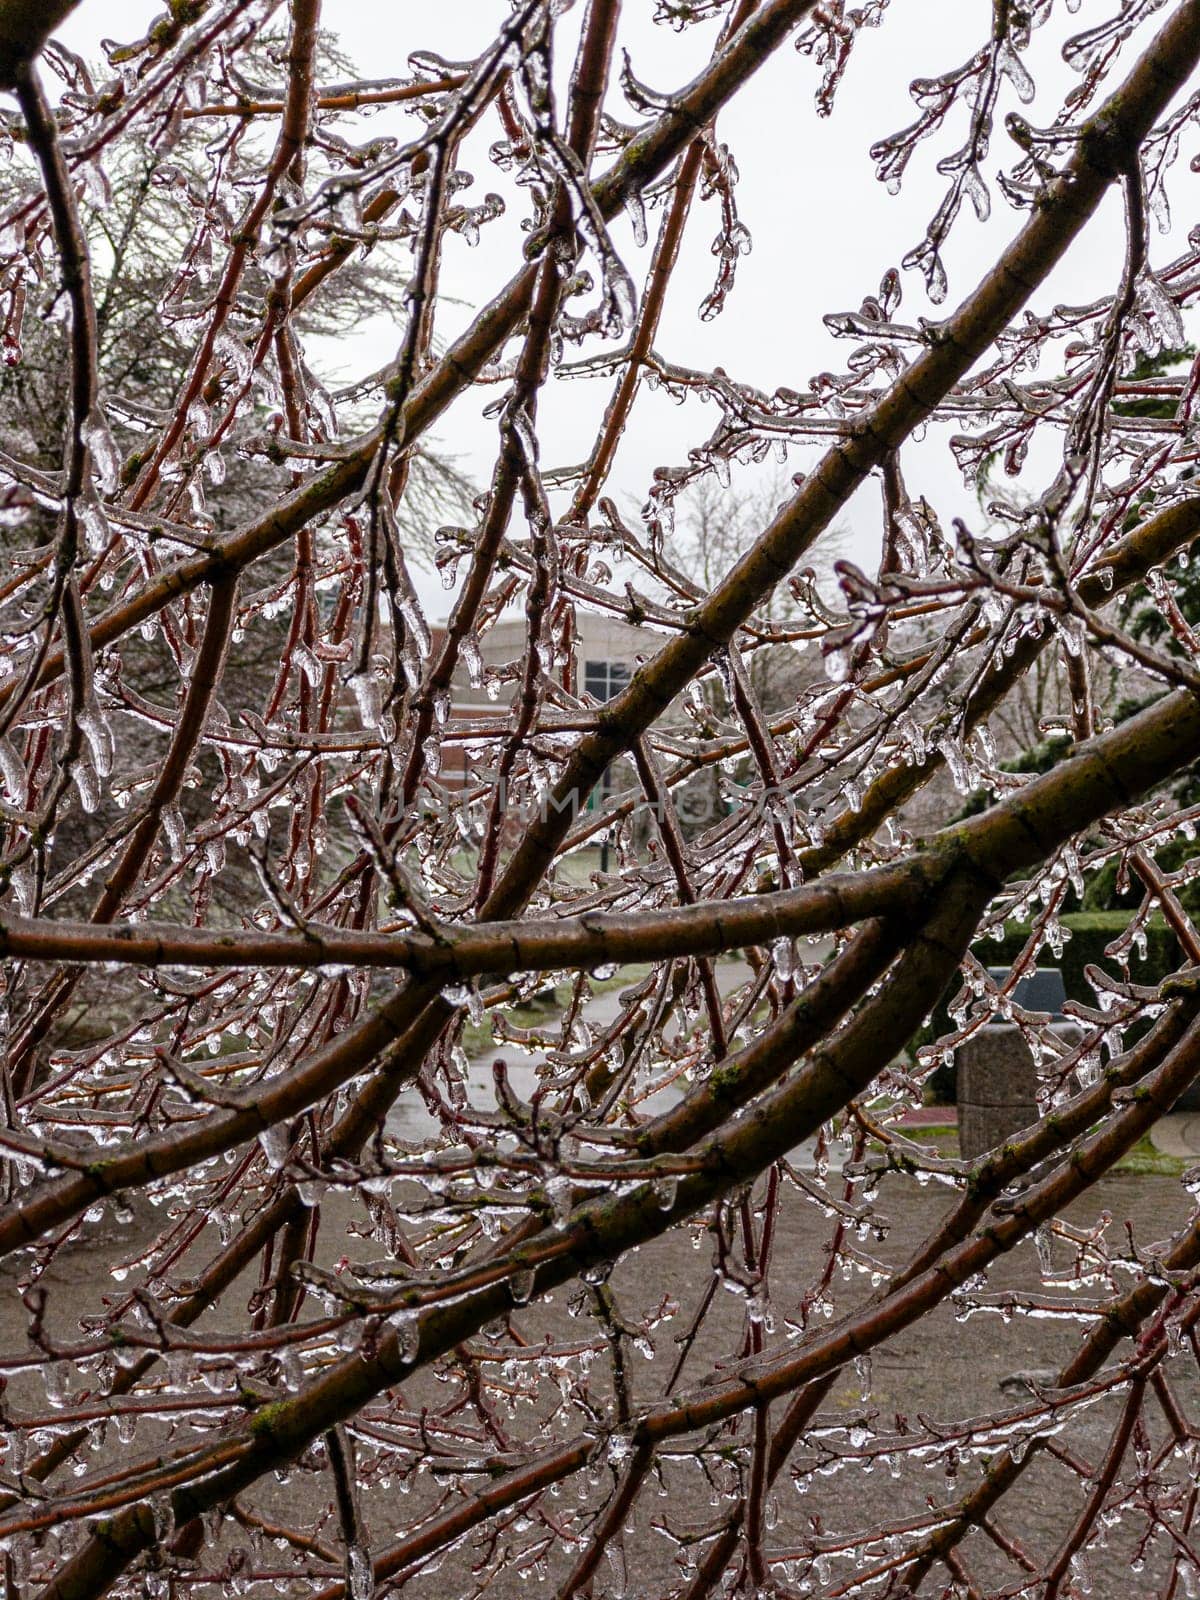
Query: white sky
[[824, 228]]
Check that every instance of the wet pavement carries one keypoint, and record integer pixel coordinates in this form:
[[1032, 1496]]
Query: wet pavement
[[927, 1388], [1178, 1135], [921, 1384], [411, 1120]]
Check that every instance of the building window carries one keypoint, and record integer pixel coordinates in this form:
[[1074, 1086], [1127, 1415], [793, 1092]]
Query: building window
[[604, 679]]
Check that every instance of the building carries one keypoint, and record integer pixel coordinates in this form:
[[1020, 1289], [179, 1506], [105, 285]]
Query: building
[[486, 684]]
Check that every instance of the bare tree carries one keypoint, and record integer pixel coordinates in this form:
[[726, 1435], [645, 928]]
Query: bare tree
[[279, 1251]]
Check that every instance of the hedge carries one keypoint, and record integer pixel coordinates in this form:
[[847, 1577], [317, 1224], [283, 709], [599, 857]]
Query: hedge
[[1091, 932]]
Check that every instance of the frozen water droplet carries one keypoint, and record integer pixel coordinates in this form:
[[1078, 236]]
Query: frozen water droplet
[[406, 1324], [360, 1574], [275, 1145], [94, 523], [636, 211], [101, 446], [99, 737], [862, 1366], [365, 688], [86, 783]]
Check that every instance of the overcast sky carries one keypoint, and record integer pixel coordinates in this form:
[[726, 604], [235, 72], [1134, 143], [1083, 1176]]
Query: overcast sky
[[824, 229]]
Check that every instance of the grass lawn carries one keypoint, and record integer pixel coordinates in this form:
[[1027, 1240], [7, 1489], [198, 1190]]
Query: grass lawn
[[477, 1036], [1143, 1158]]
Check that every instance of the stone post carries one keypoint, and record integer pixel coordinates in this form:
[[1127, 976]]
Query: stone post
[[997, 1087]]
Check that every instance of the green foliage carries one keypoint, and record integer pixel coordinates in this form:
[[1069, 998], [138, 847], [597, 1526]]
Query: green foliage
[[1091, 932], [1038, 759], [1102, 893]]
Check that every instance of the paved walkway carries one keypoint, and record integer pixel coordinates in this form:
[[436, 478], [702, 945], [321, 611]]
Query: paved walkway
[[1178, 1135], [410, 1119]]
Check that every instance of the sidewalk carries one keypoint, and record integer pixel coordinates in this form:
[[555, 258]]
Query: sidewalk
[[1178, 1135]]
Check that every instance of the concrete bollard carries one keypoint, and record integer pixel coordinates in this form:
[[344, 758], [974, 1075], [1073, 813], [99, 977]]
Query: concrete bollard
[[997, 1080], [997, 1087]]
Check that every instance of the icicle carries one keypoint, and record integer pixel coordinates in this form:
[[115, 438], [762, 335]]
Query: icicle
[[366, 691], [360, 1573], [406, 1324], [100, 444], [520, 1287], [275, 1144], [83, 773]]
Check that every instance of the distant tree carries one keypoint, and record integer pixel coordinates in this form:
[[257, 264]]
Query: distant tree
[[316, 1288]]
